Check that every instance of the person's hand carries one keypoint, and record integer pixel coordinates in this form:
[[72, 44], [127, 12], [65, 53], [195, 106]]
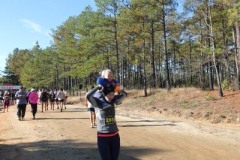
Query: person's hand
[[118, 88], [100, 88], [124, 92]]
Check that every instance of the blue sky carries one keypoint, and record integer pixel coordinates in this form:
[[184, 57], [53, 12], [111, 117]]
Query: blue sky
[[23, 22]]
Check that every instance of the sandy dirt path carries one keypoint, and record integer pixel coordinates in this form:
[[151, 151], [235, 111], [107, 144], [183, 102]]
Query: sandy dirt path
[[67, 135]]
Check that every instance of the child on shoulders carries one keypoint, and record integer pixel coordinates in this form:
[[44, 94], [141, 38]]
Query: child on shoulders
[[106, 81]]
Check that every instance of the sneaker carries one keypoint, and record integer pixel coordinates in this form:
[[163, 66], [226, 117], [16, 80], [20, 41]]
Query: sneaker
[[33, 117], [19, 118], [91, 126]]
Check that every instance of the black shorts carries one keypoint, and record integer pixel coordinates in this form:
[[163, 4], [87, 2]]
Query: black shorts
[[91, 109], [44, 99]]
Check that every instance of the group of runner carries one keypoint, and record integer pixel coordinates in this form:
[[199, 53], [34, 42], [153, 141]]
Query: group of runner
[[52, 97], [43, 97]]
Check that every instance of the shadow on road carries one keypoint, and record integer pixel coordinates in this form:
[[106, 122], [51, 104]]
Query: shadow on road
[[60, 118], [63, 150]]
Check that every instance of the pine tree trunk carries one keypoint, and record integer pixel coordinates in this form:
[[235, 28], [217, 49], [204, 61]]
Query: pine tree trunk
[[168, 85], [220, 91], [237, 45], [152, 57]]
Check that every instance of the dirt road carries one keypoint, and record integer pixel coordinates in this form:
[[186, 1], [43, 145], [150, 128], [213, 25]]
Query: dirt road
[[67, 135]]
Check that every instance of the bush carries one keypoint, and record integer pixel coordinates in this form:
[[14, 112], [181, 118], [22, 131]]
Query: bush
[[226, 84]]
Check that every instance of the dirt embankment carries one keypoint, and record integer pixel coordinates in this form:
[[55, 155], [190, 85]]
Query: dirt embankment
[[188, 103]]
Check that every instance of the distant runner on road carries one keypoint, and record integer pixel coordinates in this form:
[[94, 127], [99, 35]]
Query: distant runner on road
[[21, 96]]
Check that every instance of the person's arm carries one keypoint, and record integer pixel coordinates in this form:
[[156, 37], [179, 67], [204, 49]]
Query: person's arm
[[57, 95], [118, 98], [90, 98], [17, 95], [41, 95]]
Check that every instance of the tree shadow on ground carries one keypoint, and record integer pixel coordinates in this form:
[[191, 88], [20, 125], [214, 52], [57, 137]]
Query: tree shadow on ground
[[63, 150]]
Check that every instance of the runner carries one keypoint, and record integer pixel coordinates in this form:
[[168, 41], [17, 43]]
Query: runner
[[107, 131], [39, 95], [33, 100], [6, 99], [52, 97], [56, 92], [1, 96], [65, 98], [92, 112], [44, 99], [21, 96], [13, 99], [60, 98]]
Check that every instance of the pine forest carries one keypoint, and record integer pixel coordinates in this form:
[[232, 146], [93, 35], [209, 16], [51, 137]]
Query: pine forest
[[146, 43]]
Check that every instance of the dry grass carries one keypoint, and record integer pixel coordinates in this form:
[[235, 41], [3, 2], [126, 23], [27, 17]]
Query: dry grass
[[76, 99], [188, 103]]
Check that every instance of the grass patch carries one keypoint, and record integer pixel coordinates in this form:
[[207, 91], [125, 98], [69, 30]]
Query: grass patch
[[210, 98]]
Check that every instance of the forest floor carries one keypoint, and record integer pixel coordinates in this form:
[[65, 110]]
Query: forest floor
[[184, 124]]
